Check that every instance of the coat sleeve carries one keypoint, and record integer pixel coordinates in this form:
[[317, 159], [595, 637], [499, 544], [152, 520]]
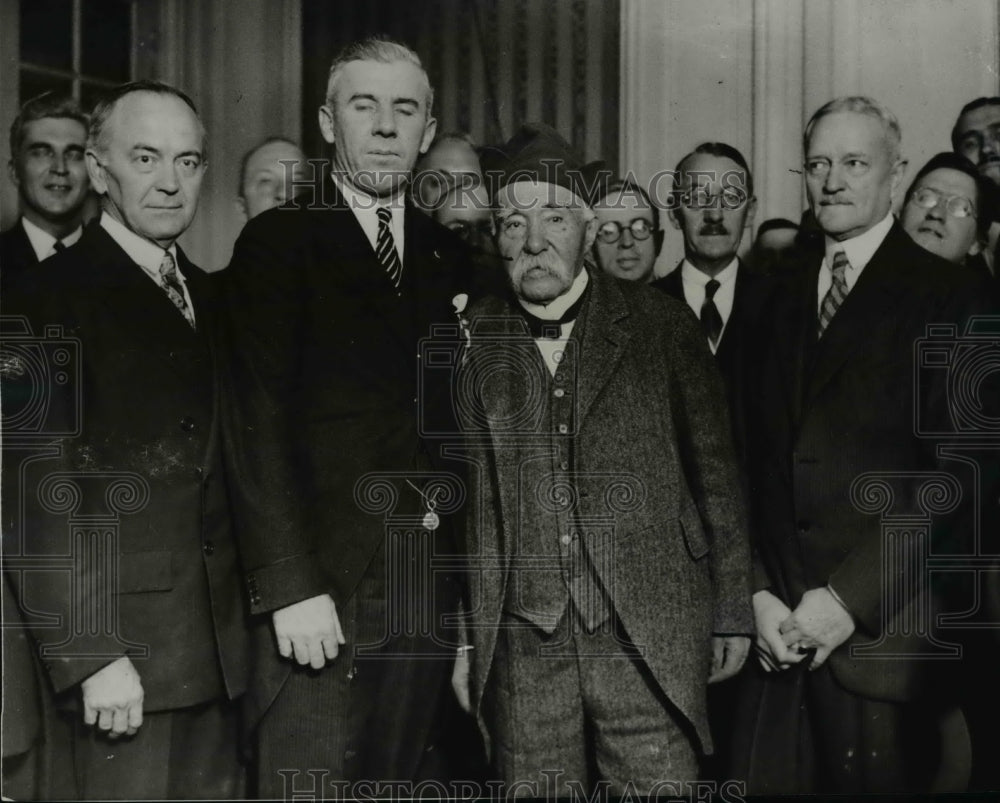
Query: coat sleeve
[[262, 337], [711, 471]]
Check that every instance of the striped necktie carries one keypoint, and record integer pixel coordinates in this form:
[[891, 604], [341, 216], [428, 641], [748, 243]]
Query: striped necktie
[[836, 294], [171, 285], [385, 247]]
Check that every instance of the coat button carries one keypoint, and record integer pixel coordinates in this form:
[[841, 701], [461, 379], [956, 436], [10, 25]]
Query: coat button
[[187, 423], [208, 548], [802, 526]]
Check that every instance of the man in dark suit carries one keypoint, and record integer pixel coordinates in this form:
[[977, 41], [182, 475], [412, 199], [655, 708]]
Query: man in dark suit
[[154, 646], [836, 399], [46, 165], [609, 566], [976, 136], [329, 297]]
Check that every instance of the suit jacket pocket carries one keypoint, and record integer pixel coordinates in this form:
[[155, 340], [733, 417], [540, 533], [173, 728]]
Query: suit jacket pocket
[[694, 532], [140, 572]]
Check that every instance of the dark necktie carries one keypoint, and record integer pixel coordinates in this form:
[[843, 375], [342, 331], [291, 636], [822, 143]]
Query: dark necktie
[[171, 285], [711, 320], [385, 247], [836, 294], [58, 246], [542, 329]]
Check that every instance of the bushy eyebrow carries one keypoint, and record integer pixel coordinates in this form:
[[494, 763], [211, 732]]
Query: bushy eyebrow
[[369, 96]]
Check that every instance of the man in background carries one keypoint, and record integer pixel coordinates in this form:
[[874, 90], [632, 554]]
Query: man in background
[[270, 174], [976, 136], [47, 142], [629, 237]]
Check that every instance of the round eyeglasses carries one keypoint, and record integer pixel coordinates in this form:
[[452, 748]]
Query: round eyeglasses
[[611, 231], [957, 205]]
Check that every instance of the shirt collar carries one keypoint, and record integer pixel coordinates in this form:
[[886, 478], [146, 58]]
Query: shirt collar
[[689, 273], [859, 250], [362, 202], [145, 254], [43, 243], [554, 310]]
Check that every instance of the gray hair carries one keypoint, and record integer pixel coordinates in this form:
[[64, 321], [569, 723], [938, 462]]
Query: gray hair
[[375, 48], [859, 104]]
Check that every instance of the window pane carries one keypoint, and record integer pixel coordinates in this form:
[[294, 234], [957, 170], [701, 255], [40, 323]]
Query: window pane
[[33, 83], [90, 94], [47, 32], [106, 38]]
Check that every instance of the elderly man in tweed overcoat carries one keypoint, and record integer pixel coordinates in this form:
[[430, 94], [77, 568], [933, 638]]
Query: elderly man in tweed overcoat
[[608, 559]]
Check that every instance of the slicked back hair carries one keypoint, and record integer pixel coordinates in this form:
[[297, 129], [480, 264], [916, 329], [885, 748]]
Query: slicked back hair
[[971, 106], [106, 105], [375, 48], [48, 104], [859, 104], [723, 151]]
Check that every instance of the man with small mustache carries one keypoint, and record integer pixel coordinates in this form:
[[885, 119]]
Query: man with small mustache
[[713, 203]]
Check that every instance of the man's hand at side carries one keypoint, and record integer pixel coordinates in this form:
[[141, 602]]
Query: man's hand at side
[[309, 630], [819, 621], [728, 656], [112, 698]]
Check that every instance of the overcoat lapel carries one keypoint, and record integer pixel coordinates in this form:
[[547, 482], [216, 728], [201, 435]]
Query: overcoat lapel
[[605, 335]]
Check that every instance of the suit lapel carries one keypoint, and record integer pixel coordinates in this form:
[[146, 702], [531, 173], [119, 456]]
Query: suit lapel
[[869, 304], [133, 301], [605, 334], [794, 324]]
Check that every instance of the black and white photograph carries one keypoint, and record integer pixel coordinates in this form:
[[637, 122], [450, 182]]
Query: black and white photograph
[[589, 400]]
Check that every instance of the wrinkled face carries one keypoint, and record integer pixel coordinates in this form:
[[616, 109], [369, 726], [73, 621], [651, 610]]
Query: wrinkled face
[[543, 234], [631, 253], [714, 209], [150, 164], [467, 212], [378, 121], [271, 172], [49, 169], [852, 176], [936, 228], [979, 140]]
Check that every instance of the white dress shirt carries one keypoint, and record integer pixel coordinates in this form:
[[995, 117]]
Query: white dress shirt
[[365, 208], [694, 282], [553, 349], [859, 252], [43, 243], [147, 255]]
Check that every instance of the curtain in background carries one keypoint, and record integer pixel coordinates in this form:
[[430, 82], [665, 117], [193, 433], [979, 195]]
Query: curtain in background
[[493, 63]]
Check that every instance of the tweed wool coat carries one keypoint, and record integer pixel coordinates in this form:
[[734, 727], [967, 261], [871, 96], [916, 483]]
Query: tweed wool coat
[[652, 454]]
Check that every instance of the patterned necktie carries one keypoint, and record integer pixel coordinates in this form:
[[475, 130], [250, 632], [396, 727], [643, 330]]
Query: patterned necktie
[[385, 247], [711, 320], [836, 294], [171, 285]]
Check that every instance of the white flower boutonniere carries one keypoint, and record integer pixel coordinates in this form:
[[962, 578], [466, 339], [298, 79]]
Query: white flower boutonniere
[[460, 302]]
